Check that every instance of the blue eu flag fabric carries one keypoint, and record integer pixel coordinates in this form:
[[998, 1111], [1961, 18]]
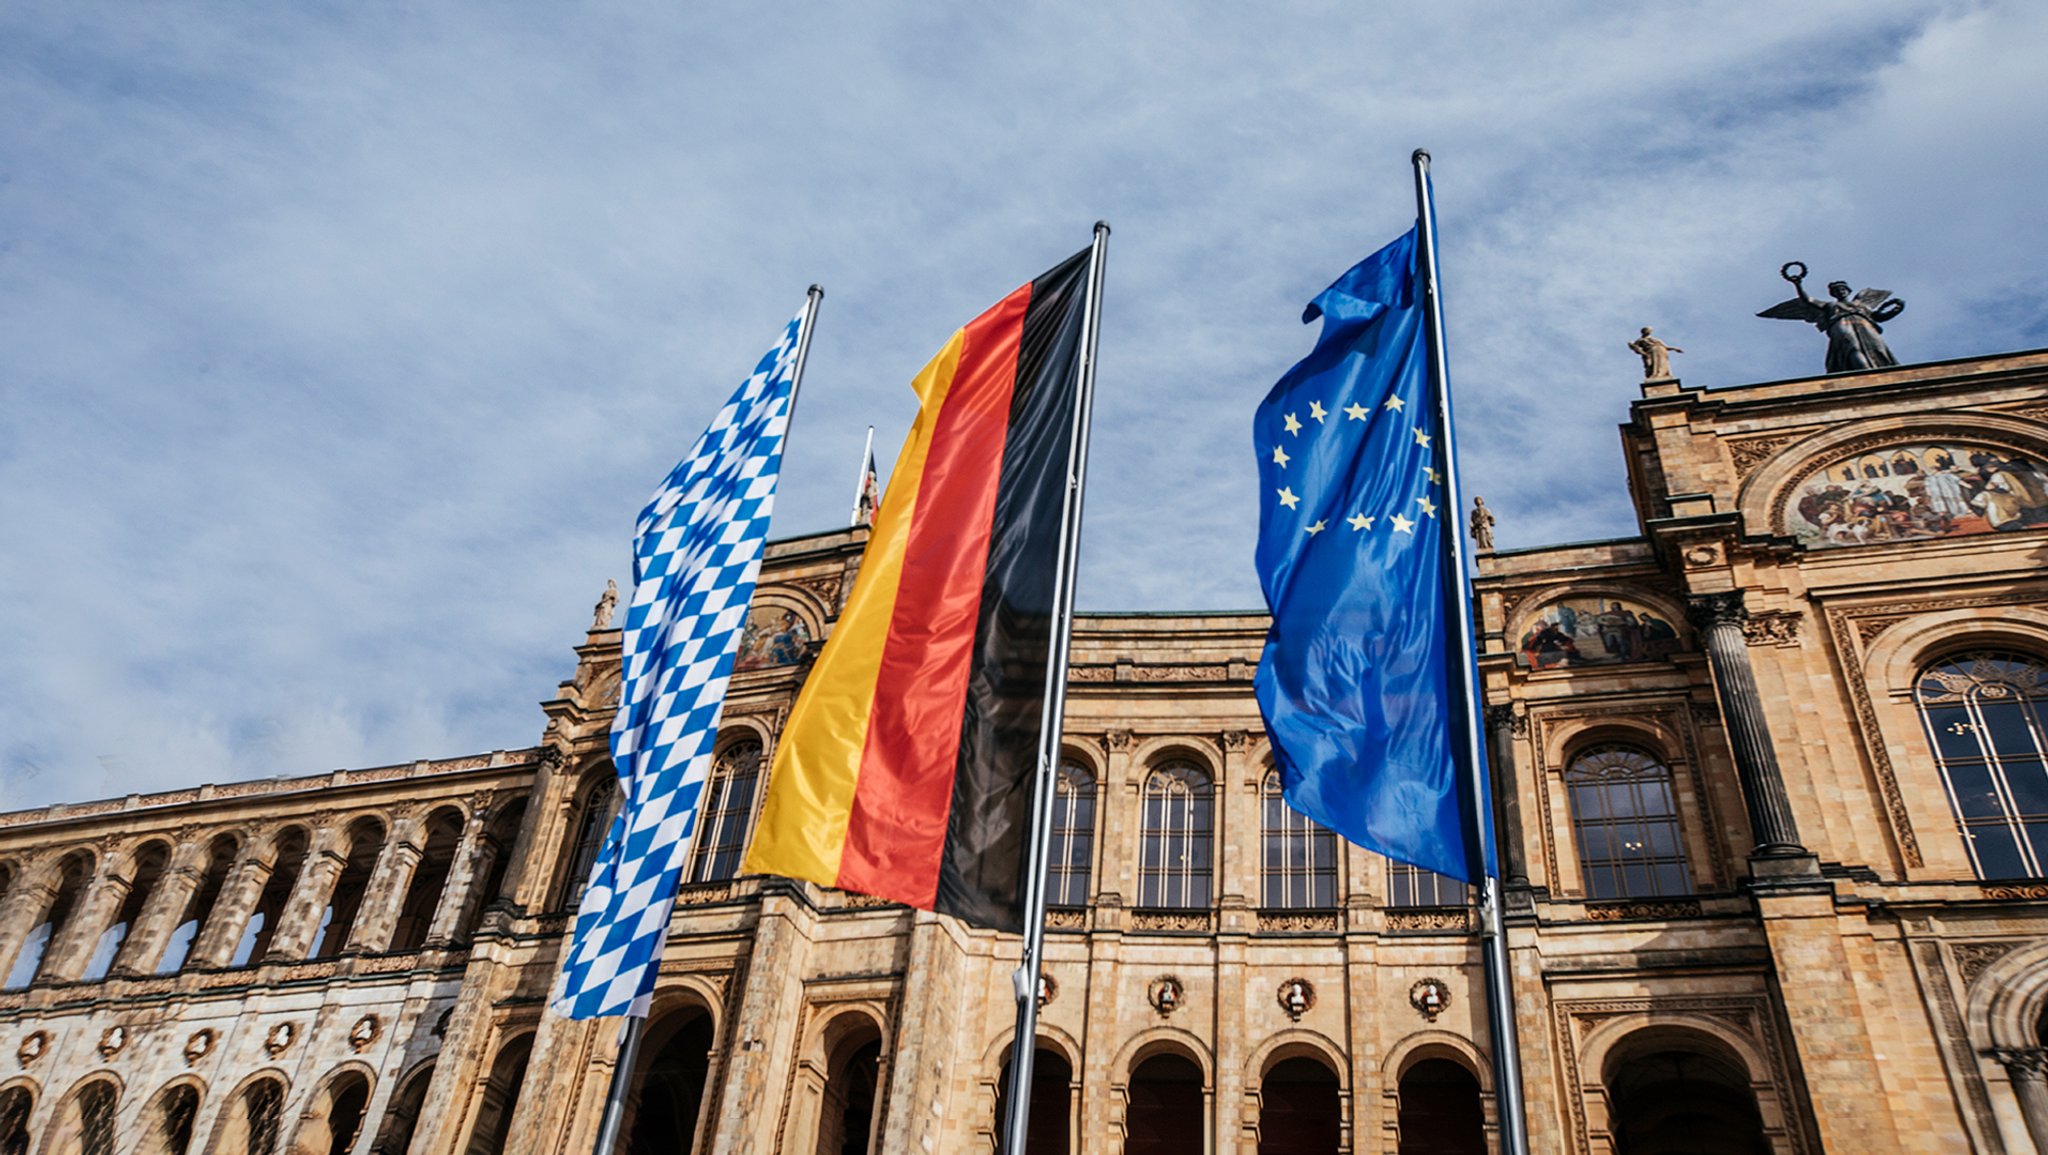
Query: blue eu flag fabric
[[1354, 681]]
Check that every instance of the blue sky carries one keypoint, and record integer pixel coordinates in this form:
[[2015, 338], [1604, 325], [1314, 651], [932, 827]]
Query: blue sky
[[342, 343]]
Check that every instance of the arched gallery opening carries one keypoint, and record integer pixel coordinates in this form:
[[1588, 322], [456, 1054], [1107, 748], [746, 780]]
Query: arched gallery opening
[[1164, 1112], [500, 1098], [1440, 1110], [1047, 1128], [846, 1122], [668, 1098], [402, 1117], [251, 1123], [335, 1117], [85, 1120], [1682, 1101], [1300, 1109], [15, 1105], [167, 1121]]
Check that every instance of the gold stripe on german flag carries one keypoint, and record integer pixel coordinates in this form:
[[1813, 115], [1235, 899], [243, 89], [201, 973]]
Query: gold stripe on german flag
[[906, 768]]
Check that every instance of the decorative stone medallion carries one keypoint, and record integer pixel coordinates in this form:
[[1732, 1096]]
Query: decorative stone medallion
[[1430, 997], [1048, 990], [1166, 994], [112, 1040], [199, 1045], [279, 1040], [1296, 996], [33, 1045], [365, 1032]]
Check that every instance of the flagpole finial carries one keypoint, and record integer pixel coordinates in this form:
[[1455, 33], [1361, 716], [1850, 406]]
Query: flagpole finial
[[1102, 227], [816, 290], [1419, 156]]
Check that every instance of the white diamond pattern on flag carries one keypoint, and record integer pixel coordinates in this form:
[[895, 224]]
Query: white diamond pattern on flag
[[696, 555]]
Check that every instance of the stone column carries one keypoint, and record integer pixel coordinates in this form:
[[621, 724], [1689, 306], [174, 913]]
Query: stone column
[[299, 921], [21, 912], [1719, 619], [384, 897], [72, 944], [473, 857], [215, 946], [2028, 1069], [1502, 723], [159, 916]]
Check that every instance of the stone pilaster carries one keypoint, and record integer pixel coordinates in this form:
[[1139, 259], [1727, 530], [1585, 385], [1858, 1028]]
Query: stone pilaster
[[215, 946], [765, 1028], [299, 921], [20, 913], [1819, 986], [1719, 618], [473, 856], [384, 898], [2028, 1069], [159, 915], [72, 945]]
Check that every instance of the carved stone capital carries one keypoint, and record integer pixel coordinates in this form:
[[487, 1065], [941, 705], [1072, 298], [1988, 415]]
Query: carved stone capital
[[1508, 716], [1706, 611], [2028, 1063], [1236, 741], [1119, 741]]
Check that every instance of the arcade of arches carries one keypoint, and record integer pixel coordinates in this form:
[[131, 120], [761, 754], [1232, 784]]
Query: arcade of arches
[[1771, 797]]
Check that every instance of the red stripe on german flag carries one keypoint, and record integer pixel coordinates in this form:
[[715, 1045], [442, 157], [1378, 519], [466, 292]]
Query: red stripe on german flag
[[906, 767]]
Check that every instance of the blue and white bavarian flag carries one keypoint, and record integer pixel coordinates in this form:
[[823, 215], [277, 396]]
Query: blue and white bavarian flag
[[696, 555], [1353, 683]]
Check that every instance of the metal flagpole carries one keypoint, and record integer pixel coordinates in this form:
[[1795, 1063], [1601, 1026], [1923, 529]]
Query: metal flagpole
[[636, 1024], [860, 483], [1507, 1071], [1023, 1045]]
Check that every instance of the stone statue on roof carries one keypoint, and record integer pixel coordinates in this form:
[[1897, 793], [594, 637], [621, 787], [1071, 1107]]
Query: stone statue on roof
[[1854, 324]]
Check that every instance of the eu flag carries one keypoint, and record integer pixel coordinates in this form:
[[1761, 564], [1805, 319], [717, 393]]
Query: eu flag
[[1354, 681]]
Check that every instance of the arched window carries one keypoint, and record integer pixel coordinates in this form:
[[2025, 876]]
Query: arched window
[[332, 1121], [261, 928], [668, 1096], [1626, 817], [1164, 1112], [220, 860], [429, 879], [167, 1121], [1984, 717], [1179, 822], [72, 875], [1049, 1126], [593, 819], [1298, 858], [722, 818], [1300, 1112], [15, 1105], [365, 844], [402, 1117], [148, 870], [253, 1123], [1073, 837], [499, 840], [1683, 1100], [846, 1115], [500, 1098], [1440, 1111], [85, 1121]]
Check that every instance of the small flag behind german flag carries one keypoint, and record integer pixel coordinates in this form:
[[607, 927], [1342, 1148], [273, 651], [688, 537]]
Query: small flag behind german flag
[[906, 767]]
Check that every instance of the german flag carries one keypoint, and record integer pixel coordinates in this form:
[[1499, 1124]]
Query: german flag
[[907, 765]]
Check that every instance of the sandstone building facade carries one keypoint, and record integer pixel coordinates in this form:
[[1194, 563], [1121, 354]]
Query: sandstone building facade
[[1773, 789]]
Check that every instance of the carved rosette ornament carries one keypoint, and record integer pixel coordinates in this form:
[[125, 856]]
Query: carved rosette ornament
[[1429, 997], [279, 1040], [33, 1046], [199, 1045], [1296, 996], [112, 1040], [1048, 990], [1166, 994], [365, 1032]]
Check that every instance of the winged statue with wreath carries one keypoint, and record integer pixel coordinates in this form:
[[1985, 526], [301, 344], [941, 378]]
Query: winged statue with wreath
[[1854, 324]]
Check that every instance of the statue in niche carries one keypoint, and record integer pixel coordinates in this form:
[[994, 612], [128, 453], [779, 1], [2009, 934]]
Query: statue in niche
[[1854, 324], [1656, 356]]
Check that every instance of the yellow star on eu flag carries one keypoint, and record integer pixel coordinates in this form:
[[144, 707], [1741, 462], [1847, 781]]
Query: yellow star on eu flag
[[1316, 410], [1292, 425], [1355, 411], [1395, 403], [1428, 506], [1316, 528], [1422, 439], [1280, 457], [1403, 525], [1287, 498], [1359, 521]]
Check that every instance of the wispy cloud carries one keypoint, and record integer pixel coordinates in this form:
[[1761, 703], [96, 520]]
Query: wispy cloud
[[342, 344]]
